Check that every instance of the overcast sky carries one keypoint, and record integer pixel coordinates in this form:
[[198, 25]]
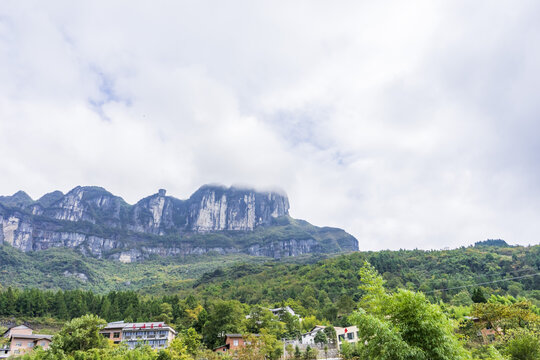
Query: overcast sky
[[410, 124]]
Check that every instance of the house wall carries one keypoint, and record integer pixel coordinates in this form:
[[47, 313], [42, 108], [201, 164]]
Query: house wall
[[113, 334], [151, 336], [19, 331], [20, 346], [348, 334], [231, 342]]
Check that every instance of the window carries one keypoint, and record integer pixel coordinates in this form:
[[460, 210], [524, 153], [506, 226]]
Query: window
[[43, 343], [350, 336], [18, 344], [235, 342], [30, 345], [116, 335], [106, 335], [341, 337], [17, 351]]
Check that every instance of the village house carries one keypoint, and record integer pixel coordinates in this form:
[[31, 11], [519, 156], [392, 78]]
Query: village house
[[346, 334], [233, 342], [309, 337], [485, 331], [157, 335], [113, 331], [21, 339], [279, 311]]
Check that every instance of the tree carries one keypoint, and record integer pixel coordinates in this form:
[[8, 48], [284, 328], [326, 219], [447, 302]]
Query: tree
[[330, 333], [192, 340], [320, 338], [523, 344], [292, 325], [309, 323], [478, 296], [177, 350], [463, 298], [310, 353], [289, 350], [165, 313], [403, 325], [502, 317], [345, 305], [380, 340], [262, 347], [372, 286], [223, 317], [260, 318], [80, 334], [297, 353]]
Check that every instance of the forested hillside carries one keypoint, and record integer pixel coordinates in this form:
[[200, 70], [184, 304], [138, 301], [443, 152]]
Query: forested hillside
[[320, 285], [325, 287], [67, 269], [205, 296]]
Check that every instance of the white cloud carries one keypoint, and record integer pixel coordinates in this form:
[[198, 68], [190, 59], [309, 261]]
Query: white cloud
[[407, 124]]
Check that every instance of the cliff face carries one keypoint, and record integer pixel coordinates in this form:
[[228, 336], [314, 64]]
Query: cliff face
[[217, 209], [214, 218]]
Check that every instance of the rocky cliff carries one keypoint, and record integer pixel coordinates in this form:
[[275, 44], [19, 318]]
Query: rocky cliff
[[214, 218]]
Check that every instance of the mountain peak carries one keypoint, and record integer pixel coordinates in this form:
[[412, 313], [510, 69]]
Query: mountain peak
[[19, 199], [91, 219]]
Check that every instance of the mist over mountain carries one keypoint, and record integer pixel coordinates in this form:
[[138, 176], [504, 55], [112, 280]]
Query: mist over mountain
[[214, 219]]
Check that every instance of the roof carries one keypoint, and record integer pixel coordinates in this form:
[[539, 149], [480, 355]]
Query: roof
[[16, 327], [226, 346], [284, 308], [239, 335], [316, 327], [115, 325], [341, 330], [144, 325]]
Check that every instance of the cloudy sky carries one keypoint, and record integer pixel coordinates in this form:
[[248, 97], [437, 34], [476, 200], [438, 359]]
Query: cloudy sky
[[409, 124]]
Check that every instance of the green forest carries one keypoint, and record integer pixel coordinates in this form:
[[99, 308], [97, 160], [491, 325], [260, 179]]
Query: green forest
[[393, 296]]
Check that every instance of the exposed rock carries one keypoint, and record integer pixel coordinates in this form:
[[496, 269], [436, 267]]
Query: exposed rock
[[214, 219], [81, 276]]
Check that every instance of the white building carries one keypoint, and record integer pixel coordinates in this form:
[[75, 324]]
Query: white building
[[309, 337], [278, 311], [346, 334], [157, 335]]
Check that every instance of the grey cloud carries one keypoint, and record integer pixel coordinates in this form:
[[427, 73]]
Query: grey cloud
[[407, 124]]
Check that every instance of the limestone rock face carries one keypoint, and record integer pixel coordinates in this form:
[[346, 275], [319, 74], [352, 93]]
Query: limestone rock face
[[214, 219], [217, 209], [16, 231]]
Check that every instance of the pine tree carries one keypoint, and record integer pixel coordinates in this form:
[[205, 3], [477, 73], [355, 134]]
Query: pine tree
[[478, 296]]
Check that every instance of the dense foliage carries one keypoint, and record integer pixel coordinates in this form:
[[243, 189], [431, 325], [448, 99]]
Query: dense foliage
[[398, 296], [329, 287], [61, 268]]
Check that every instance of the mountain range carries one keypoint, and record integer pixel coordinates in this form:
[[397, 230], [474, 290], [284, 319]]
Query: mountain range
[[215, 218]]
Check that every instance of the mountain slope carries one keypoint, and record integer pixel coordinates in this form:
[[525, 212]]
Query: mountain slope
[[217, 219]]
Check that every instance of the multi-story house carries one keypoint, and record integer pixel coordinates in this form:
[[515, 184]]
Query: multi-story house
[[346, 334], [21, 339], [113, 331], [157, 335]]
